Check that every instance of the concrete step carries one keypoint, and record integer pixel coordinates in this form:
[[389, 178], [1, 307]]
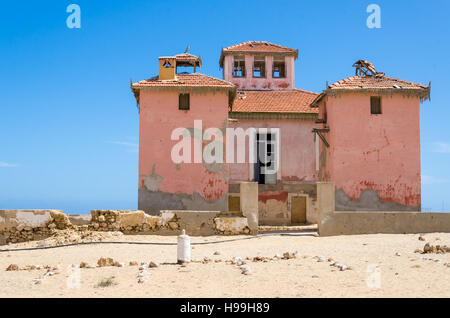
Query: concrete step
[[230, 213], [295, 228]]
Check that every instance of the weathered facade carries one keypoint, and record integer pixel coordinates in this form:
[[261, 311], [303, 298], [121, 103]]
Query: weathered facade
[[163, 183], [371, 126], [361, 133]]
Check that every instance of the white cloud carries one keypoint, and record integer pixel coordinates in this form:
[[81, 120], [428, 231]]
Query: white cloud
[[442, 147], [131, 147], [7, 165], [426, 179]]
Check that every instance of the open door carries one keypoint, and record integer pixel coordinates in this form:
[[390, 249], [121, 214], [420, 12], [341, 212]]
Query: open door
[[265, 172]]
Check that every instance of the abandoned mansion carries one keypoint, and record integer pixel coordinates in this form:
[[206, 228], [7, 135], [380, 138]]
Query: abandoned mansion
[[362, 133]]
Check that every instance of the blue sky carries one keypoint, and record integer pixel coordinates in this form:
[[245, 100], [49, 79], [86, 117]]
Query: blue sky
[[69, 123]]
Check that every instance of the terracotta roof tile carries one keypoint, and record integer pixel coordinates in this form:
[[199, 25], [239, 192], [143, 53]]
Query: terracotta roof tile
[[374, 82], [283, 101], [253, 47], [258, 46], [185, 80]]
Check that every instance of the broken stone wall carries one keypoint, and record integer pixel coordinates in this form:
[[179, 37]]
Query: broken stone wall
[[27, 225]]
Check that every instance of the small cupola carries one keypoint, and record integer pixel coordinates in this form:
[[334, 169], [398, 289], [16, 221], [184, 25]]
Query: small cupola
[[170, 66]]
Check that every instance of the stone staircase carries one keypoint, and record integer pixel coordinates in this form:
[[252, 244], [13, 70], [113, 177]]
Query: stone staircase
[[295, 228]]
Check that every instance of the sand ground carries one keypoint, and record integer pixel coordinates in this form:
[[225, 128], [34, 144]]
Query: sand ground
[[406, 274]]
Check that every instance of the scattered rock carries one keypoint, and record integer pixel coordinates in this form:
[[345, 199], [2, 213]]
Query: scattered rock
[[421, 238], [105, 261], [438, 249], [320, 259], [12, 267], [153, 265], [119, 264], [288, 255], [237, 261], [217, 253], [133, 263], [398, 254], [260, 259], [245, 270]]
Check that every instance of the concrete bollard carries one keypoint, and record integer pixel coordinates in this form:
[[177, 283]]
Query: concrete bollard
[[184, 248]]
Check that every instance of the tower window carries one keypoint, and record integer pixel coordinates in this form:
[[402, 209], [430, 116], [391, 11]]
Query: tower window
[[259, 66], [183, 101], [279, 67], [375, 105], [239, 66]]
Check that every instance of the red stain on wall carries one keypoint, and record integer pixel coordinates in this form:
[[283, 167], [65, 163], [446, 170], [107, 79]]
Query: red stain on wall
[[283, 85], [269, 195], [213, 186], [293, 178]]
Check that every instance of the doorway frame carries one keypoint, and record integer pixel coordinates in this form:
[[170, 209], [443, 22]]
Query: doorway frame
[[254, 149], [290, 196]]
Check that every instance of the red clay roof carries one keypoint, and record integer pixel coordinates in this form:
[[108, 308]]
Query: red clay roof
[[282, 101], [185, 80], [375, 82], [258, 46], [253, 47]]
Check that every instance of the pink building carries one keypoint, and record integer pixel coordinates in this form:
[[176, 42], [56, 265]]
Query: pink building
[[174, 100], [361, 133], [370, 126]]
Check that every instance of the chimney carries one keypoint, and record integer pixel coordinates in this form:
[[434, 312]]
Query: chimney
[[167, 68]]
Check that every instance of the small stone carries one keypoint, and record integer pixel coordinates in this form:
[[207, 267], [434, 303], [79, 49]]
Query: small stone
[[142, 274], [315, 276], [12, 267], [246, 270], [105, 261], [421, 238], [427, 248], [153, 265], [119, 264], [398, 254], [173, 225], [237, 261], [83, 265], [417, 250], [217, 253], [133, 263], [288, 255], [141, 280]]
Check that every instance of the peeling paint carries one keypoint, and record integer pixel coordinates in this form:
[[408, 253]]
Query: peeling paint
[[369, 200]]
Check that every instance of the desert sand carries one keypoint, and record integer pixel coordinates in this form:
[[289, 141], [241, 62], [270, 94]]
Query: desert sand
[[381, 266]]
